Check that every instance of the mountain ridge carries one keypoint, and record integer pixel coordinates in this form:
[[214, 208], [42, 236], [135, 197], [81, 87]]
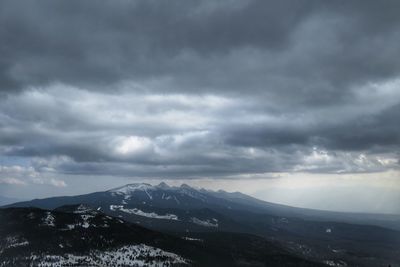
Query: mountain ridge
[[182, 210], [231, 195]]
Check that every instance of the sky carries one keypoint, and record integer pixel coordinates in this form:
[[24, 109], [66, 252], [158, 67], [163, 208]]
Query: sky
[[295, 102]]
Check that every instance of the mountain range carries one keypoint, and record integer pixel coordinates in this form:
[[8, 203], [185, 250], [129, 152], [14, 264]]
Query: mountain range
[[193, 226]]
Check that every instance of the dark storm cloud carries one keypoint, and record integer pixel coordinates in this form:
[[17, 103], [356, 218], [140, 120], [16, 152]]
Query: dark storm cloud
[[76, 42], [364, 133], [195, 44], [184, 88]]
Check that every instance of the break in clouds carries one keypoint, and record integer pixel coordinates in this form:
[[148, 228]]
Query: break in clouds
[[188, 89]]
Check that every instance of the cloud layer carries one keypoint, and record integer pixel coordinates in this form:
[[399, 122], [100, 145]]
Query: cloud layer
[[198, 89]]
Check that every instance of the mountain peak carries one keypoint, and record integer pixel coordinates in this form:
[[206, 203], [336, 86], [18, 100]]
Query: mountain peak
[[129, 188], [163, 185], [186, 186]]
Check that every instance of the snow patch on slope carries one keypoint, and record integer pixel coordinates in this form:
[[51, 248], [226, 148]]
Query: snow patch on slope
[[82, 209], [131, 188], [192, 239], [133, 255], [85, 219], [207, 223], [338, 263], [14, 241], [139, 212], [86, 222], [48, 220]]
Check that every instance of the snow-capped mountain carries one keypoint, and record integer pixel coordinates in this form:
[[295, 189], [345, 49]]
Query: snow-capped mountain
[[164, 195], [169, 208], [161, 198], [182, 210]]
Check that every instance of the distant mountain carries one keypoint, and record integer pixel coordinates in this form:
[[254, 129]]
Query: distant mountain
[[330, 237], [78, 235], [186, 197]]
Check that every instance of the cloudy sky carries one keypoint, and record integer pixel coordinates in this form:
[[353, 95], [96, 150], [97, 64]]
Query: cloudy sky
[[296, 102]]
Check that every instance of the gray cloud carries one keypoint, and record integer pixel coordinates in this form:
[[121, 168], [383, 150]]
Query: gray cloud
[[192, 136], [262, 46], [190, 89]]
